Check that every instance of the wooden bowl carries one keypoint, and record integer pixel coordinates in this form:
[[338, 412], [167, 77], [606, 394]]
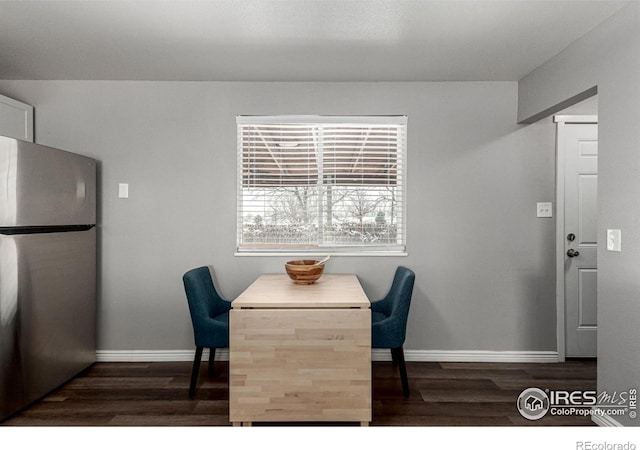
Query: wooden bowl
[[304, 271]]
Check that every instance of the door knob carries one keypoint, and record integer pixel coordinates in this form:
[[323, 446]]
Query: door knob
[[571, 253]]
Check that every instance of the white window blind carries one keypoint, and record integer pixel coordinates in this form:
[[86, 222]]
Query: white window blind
[[316, 183]]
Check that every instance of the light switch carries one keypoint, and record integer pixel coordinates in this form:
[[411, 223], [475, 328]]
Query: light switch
[[123, 190], [545, 209], [614, 240]]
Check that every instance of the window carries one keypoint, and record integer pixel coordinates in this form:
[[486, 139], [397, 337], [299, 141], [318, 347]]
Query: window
[[321, 184]]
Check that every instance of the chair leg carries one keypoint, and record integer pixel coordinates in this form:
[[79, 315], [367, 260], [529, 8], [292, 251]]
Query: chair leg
[[403, 371], [194, 371], [212, 357], [394, 358]]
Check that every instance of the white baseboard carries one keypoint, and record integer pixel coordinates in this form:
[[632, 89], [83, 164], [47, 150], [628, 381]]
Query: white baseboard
[[605, 421], [480, 356], [156, 355], [376, 355], [468, 356]]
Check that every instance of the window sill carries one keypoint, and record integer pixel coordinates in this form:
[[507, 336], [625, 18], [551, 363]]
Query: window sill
[[322, 254]]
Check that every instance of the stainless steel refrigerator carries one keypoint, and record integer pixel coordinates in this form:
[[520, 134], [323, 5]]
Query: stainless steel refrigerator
[[47, 270]]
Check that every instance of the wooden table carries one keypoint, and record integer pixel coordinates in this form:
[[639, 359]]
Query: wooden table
[[300, 352]]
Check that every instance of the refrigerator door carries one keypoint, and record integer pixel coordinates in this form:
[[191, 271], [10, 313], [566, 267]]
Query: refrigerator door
[[44, 186], [47, 313]]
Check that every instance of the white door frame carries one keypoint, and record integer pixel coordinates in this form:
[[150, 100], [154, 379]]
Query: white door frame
[[560, 121], [24, 113]]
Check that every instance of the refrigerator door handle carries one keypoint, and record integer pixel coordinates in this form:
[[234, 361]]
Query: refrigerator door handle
[[10, 231]]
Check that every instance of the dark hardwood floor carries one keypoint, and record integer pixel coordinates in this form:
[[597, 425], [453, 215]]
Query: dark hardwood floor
[[442, 394]]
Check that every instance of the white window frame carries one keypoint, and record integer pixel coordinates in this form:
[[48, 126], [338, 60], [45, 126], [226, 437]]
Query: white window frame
[[398, 249]]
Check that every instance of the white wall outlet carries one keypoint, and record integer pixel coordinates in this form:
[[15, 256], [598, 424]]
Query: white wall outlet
[[614, 240], [123, 190], [545, 209]]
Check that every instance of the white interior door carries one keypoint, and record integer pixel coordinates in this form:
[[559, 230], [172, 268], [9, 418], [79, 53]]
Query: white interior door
[[580, 238]]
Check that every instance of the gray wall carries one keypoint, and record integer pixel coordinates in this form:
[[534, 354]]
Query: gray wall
[[484, 262], [609, 58]]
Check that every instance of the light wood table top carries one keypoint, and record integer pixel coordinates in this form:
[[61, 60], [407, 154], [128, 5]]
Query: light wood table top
[[278, 291]]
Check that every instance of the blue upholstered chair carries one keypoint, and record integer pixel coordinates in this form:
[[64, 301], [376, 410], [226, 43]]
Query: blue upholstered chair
[[389, 320], [210, 317]]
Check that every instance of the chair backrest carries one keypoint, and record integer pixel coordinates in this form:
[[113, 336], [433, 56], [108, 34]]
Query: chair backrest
[[399, 296], [204, 300]]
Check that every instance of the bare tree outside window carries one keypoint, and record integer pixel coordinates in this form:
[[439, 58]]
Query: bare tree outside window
[[363, 204]]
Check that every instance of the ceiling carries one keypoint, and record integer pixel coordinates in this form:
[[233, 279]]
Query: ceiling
[[289, 40]]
